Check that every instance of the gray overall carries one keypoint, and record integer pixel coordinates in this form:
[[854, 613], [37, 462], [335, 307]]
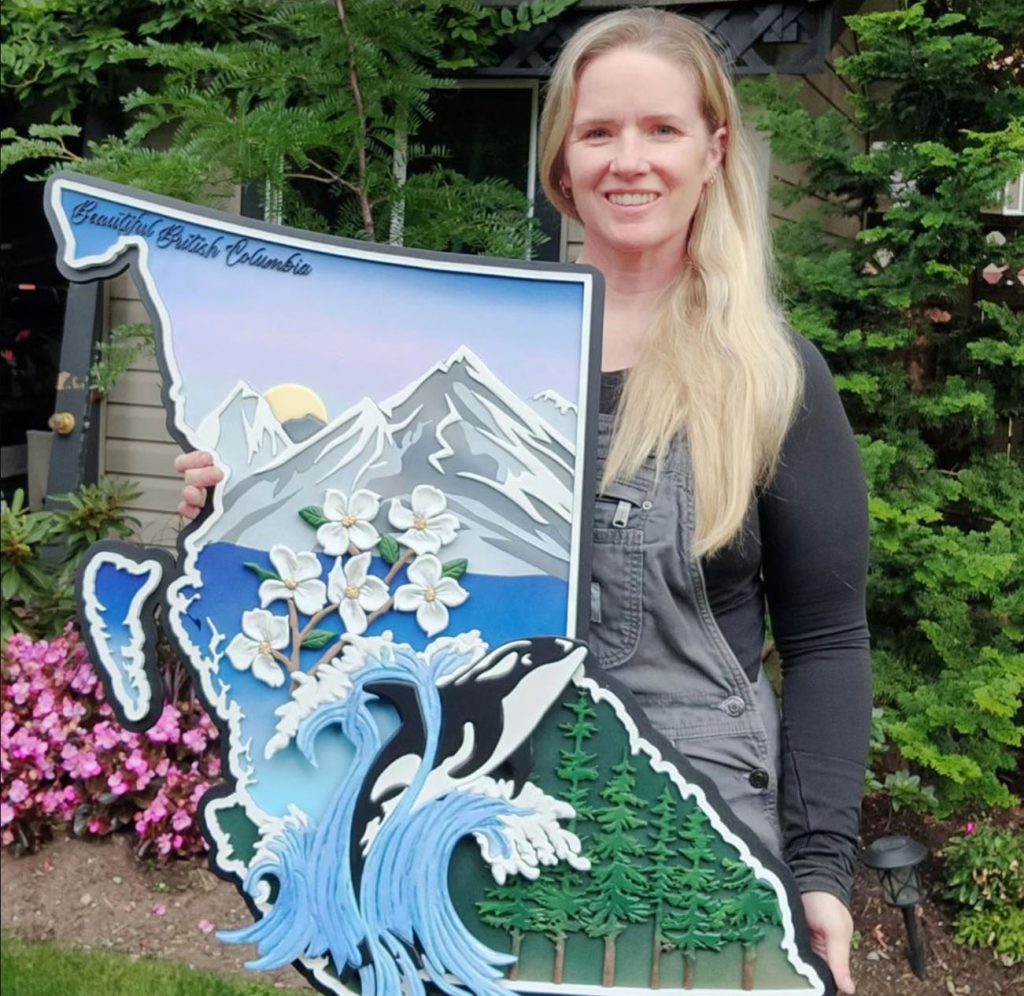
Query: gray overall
[[652, 628]]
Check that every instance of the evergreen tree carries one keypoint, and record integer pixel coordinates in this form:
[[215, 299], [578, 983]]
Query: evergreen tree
[[664, 833], [312, 103], [578, 767], [695, 920], [749, 907], [562, 897], [508, 907], [619, 885], [930, 362]]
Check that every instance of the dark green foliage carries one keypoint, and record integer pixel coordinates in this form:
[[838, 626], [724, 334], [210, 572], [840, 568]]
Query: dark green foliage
[[932, 373], [618, 893], [454, 568], [261, 572], [313, 104], [115, 355], [313, 515], [389, 550], [985, 877], [40, 552]]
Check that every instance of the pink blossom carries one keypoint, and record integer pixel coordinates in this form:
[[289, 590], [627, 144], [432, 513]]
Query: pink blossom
[[117, 784], [194, 740], [71, 709], [166, 728], [970, 828], [6, 814], [44, 703], [18, 791], [105, 735], [181, 820], [205, 927], [136, 763], [82, 764], [19, 692]]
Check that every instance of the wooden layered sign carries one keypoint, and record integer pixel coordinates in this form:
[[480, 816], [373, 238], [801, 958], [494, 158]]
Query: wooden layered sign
[[429, 785]]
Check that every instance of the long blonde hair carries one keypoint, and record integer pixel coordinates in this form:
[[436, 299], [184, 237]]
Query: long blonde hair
[[719, 363]]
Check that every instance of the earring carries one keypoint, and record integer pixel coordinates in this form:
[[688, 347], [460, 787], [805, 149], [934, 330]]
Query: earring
[[712, 178]]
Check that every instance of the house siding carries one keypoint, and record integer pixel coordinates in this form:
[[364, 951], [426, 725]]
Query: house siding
[[136, 445]]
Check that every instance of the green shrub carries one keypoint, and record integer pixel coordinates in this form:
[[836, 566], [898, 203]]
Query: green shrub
[[985, 876], [931, 374], [40, 551]]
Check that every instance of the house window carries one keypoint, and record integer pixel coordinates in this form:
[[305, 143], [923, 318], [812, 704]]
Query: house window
[[485, 129], [1013, 203]]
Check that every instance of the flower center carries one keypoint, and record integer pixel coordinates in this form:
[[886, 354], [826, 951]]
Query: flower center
[[352, 591], [291, 584], [265, 647], [420, 522], [348, 520], [430, 595]]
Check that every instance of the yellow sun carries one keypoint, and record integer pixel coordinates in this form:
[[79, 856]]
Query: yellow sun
[[288, 401]]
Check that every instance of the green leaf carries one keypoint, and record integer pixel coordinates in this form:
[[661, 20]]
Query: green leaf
[[454, 569], [318, 639], [389, 550], [262, 573], [313, 515]]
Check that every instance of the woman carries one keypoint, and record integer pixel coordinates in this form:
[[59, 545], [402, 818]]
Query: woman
[[729, 474]]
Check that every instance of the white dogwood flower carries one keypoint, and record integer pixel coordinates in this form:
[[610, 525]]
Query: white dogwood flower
[[428, 526], [300, 582], [262, 633], [356, 591], [429, 595], [349, 522]]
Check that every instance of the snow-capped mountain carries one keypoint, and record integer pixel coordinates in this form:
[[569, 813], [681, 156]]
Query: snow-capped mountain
[[244, 432], [558, 412], [506, 471]]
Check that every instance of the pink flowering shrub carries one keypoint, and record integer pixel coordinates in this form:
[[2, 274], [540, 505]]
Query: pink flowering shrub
[[65, 760]]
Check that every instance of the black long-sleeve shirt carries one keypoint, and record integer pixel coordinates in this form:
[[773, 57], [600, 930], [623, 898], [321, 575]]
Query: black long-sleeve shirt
[[803, 552]]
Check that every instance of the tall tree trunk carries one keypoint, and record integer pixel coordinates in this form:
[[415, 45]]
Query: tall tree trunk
[[362, 188], [517, 946], [559, 972], [749, 958], [687, 971], [656, 960], [608, 977]]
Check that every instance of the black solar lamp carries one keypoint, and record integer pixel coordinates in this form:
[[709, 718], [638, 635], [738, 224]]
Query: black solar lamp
[[898, 863]]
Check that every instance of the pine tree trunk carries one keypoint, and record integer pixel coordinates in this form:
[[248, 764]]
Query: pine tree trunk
[[687, 972], [749, 958], [608, 978], [517, 945], [656, 960], [559, 972]]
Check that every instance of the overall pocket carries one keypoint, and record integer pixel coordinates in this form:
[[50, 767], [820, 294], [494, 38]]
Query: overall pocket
[[616, 600]]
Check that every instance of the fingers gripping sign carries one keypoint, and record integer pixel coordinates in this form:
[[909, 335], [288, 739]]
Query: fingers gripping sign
[[200, 474]]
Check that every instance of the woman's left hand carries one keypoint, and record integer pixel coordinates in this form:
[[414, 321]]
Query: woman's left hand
[[831, 929]]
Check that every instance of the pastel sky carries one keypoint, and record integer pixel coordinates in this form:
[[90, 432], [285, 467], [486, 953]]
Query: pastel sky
[[351, 328]]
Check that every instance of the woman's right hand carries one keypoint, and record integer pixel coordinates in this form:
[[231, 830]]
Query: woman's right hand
[[200, 474]]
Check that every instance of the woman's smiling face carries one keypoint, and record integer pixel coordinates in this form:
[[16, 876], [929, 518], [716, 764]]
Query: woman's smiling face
[[638, 154]]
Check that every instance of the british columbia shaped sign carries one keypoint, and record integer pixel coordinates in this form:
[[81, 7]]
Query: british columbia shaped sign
[[429, 785]]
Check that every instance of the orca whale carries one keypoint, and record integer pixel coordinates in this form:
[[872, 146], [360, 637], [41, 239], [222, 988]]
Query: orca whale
[[489, 708]]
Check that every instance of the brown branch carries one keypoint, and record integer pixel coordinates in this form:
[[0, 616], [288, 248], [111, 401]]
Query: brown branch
[[313, 620], [357, 96], [337, 646], [397, 566]]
